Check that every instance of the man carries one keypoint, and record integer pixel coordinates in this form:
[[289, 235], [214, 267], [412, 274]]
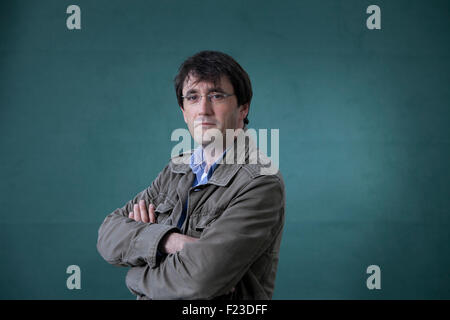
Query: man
[[209, 226]]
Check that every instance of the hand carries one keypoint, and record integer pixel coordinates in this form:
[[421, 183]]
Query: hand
[[140, 213], [170, 243]]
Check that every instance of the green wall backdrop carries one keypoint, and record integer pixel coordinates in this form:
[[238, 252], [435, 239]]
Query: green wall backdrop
[[86, 117]]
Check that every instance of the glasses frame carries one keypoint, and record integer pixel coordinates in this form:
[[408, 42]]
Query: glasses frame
[[209, 95]]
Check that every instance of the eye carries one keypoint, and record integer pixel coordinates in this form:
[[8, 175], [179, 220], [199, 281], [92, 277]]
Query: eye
[[192, 97], [217, 96]]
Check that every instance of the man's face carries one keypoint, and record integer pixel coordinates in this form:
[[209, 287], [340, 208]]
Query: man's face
[[206, 114]]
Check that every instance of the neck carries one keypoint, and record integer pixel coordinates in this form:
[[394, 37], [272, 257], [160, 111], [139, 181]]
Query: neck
[[211, 153]]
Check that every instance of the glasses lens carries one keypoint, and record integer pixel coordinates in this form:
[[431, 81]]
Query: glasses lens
[[217, 97], [192, 98]]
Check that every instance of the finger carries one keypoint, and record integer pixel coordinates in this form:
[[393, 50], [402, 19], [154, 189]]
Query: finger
[[152, 215], [143, 210], [131, 215], [137, 214]]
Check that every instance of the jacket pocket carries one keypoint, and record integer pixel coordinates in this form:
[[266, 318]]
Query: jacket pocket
[[163, 212], [204, 219]]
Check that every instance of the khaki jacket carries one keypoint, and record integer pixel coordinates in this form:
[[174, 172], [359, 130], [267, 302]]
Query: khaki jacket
[[238, 217]]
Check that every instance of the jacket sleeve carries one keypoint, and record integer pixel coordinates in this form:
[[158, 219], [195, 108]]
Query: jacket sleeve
[[214, 264], [126, 242]]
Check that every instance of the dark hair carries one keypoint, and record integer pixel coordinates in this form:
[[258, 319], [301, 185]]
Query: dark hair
[[210, 66]]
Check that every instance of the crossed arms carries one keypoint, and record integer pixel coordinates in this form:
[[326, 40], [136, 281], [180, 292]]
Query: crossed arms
[[201, 268]]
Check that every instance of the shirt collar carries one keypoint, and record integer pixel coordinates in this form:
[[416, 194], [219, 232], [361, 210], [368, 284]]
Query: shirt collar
[[198, 162]]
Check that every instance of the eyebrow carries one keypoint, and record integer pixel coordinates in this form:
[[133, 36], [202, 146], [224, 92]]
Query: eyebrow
[[215, 89]]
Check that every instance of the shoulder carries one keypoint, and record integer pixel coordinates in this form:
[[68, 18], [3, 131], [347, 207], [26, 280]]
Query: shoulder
[[259, 165], [262, 180]]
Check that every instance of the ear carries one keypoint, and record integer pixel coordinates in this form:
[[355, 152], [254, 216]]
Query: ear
[[243, 112]]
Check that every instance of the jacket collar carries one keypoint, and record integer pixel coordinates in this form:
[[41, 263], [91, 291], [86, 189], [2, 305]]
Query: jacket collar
[[221, 176]]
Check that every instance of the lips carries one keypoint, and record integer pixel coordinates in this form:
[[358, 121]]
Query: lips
[[205, 124]]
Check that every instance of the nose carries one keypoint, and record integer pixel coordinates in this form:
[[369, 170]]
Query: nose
[[205, 106]]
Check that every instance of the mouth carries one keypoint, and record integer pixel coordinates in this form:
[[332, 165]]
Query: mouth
[[205, 124]]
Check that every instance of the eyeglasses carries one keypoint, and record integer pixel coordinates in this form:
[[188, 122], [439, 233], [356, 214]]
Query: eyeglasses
[[214, 98]]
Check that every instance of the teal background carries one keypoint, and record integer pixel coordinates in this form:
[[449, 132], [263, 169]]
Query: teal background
[[86, 117]]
